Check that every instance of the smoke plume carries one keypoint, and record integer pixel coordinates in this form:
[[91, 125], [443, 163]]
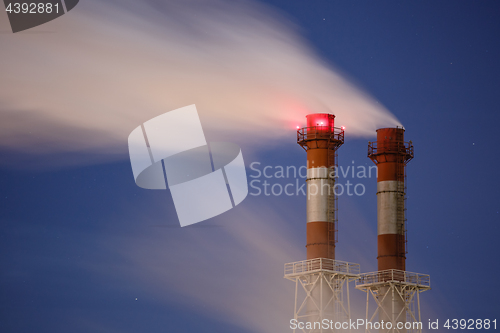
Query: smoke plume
[[84, 81]]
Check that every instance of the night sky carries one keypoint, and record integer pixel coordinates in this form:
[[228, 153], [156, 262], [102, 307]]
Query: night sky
[[83, 249]]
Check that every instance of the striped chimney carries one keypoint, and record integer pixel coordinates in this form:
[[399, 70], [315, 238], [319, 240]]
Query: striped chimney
[[320, 139], [391, 154]]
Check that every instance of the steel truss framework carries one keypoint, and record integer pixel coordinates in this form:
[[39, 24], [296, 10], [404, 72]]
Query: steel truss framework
[[394, 286], [321, 291]]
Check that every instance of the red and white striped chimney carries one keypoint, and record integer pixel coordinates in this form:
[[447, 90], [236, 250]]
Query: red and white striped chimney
[[391, 154], [321, 140]]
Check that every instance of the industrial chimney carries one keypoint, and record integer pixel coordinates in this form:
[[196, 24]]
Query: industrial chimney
[[391, 154], [321, 140], [393, 288], [322, 283]]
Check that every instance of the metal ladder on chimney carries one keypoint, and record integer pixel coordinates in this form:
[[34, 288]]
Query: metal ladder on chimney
[[401, 200], [332, 198]]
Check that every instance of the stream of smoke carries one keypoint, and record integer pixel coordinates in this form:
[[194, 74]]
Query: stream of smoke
[[84, 81]]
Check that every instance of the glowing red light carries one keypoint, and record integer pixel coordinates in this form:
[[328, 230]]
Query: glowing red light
[[298, 127], [342, 127]]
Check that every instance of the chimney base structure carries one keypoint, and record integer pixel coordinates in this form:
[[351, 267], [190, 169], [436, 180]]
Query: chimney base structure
[[394, 290], [321, 282]]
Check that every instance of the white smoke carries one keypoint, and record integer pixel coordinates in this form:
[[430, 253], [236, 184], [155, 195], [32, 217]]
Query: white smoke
[[85, 80]]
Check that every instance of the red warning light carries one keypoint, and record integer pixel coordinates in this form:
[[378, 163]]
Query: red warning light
[[320, 119], [342, 127]]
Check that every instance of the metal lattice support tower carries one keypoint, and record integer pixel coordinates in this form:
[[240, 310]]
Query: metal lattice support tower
[[397, 291], [321, 290]]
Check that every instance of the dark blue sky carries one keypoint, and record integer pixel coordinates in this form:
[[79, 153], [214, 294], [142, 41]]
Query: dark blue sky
[[65, 231]]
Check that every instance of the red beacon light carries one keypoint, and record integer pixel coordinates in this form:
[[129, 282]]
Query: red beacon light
[[342, 127]]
